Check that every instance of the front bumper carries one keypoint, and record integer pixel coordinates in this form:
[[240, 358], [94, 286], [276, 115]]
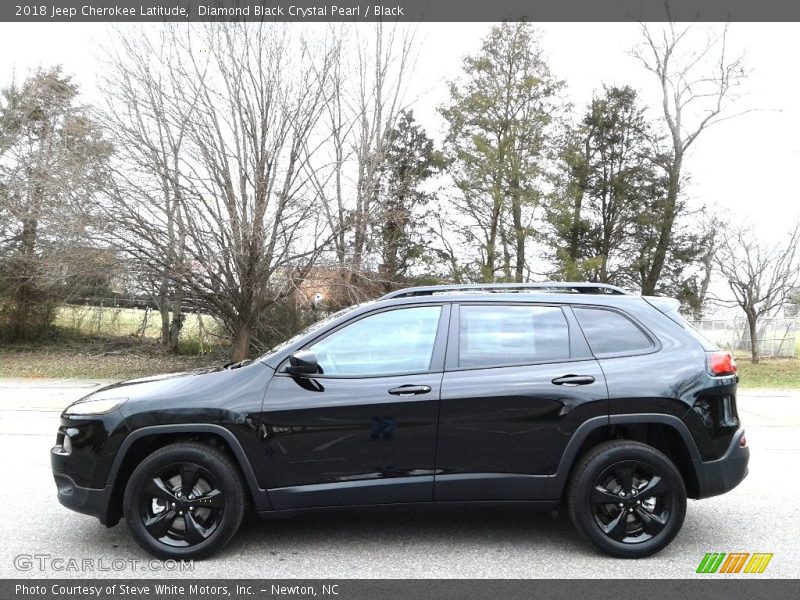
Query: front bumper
[[89, 501], [81, 461], [716, 477]]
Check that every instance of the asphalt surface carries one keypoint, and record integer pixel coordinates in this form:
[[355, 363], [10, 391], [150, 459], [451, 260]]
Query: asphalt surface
[[761, 515]]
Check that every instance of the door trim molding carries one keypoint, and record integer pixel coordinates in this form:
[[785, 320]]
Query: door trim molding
[[414, 488]]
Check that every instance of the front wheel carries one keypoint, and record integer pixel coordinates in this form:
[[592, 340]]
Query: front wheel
[[184, 501], [627, 499]]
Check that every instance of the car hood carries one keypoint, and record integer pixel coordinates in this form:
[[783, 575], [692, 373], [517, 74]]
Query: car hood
[[140, 384], [197, 383]]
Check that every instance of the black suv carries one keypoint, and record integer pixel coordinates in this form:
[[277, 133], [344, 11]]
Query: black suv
[[552, 394]]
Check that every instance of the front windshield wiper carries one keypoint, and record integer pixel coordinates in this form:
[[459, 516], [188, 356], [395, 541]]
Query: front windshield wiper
[[236, 365]]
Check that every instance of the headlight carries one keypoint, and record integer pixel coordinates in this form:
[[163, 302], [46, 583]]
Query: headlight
[[94, 407]]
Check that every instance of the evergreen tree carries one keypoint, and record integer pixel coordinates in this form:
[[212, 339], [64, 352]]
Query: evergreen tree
[[611, 173], [53, 161], [500, 121], [411, 160]]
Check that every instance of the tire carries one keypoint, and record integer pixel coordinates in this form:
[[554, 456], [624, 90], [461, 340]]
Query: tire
[[639, 523], [184, 501]]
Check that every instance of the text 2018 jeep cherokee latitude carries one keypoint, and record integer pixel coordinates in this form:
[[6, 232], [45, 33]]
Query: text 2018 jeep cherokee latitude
[[574, 394]]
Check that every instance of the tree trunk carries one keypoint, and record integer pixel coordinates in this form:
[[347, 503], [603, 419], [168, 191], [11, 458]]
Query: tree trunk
[[201, 334], [603, 274], [163, 309], [519, 234], [506, 259], [241, 343], [708, 268], [23, 324], [487, 274], [571, 270], [752, 323], [176, 324], [665, 233], [391, 262]]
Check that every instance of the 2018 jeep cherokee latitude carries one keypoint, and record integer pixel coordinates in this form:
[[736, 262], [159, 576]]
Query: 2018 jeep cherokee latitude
[[552, 394]]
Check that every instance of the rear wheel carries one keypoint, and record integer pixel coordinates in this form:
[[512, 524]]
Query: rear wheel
[[184, 501], [627, 498]]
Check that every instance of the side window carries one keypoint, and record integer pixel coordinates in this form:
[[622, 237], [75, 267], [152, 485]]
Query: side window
[[493, 336], [609, 332], [386, 343]]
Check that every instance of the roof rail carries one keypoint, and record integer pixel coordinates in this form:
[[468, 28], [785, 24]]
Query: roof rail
[[548, 286]]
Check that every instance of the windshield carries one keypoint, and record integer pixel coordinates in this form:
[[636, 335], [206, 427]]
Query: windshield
[[313, 327]]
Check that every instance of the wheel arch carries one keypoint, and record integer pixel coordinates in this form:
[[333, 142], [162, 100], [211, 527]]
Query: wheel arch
[[666, 433], [144, 441]]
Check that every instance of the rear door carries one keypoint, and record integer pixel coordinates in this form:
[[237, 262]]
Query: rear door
[[519, 380]]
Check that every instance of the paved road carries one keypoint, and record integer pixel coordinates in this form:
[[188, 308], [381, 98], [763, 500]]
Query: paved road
[[761, 515]]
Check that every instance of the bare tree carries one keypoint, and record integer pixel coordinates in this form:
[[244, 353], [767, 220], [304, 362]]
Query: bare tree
[[145, 116], [711, 228], [379, 103], [698, 84], [368, 80], [760, 277], [242, 100]]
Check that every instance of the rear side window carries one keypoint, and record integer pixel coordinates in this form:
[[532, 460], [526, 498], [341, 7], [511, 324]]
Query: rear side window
[[609, 332], [494, 336], [707, 345]]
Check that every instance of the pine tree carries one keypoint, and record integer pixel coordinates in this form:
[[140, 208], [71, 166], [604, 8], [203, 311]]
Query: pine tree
[[500, 121]]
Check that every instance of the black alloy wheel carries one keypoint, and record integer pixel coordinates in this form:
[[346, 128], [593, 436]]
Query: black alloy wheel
[[184, 501], [627, 498], [181, 505], [631, 503]]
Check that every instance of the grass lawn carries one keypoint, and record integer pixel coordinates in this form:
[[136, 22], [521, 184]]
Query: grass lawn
[[95, 359], [776, 373], [112, 343], [200, 332]]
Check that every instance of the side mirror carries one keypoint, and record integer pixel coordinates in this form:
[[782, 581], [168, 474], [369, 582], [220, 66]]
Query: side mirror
[[303, 362]]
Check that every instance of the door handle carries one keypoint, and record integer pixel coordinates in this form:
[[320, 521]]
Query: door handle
[[410, 390], [572, 380]]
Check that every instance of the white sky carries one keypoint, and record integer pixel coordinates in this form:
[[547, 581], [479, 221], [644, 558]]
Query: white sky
[[743, 166]]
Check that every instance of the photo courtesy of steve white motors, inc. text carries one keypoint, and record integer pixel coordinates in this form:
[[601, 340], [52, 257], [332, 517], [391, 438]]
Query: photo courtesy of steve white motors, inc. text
[[141, 588], [272, 10]]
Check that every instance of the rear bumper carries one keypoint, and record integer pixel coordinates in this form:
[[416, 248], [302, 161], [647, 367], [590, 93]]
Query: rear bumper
[[89, 501], [715, 477]]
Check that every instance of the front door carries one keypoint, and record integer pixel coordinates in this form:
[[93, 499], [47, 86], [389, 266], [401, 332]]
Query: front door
[[516, 388], [364, 430]]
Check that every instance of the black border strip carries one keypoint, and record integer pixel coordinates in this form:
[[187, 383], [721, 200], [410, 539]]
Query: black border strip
[[708, 587], [309, 11]]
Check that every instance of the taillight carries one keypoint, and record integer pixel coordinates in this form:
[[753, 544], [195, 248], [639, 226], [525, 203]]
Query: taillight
[[722, 363]]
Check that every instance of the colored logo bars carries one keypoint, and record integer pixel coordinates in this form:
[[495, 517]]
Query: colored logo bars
[[734, 562]]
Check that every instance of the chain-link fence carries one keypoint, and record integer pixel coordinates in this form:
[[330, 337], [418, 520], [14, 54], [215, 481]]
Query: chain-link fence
[[774, 337]]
